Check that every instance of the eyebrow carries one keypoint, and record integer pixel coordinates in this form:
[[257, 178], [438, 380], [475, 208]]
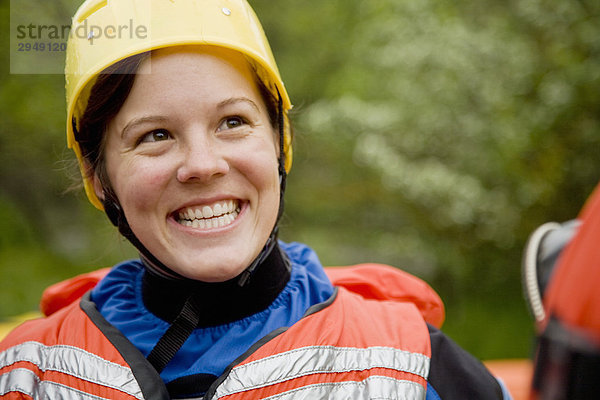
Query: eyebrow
[[140, 121], [235, 100]]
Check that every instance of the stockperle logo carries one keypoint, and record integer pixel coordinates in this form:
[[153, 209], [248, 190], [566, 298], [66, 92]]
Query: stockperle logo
[[40, 29]]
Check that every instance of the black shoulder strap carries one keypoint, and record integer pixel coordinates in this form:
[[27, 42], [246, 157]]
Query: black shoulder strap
[[179, 331]]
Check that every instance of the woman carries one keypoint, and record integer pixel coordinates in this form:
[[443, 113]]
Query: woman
[[183, 140]]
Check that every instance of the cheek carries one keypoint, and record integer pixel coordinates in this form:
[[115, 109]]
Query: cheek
[[261, 166], [138, 185], [265, 177]]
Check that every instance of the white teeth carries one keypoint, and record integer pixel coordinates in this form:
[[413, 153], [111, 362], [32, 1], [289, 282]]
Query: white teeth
[[207, 212], [207, 217], [217, 209]]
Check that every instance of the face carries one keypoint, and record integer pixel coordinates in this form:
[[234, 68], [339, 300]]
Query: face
[[192, 158]]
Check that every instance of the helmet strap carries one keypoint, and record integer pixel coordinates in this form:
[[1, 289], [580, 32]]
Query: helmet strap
[[282, 171], [115, 214], [247, 273]]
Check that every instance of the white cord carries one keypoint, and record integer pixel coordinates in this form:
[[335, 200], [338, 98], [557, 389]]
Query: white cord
[[530, 269]]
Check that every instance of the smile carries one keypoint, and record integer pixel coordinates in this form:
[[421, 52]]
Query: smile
[[219, 214]]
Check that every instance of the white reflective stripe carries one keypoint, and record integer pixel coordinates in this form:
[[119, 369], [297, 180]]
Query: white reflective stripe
[[27, 382], [73, 361], [375, 387], [320, 359]]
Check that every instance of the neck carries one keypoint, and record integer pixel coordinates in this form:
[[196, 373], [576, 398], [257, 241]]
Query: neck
[[222, 302]]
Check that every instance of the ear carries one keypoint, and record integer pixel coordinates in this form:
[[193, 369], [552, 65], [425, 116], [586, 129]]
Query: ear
[[96, 182], [98, 187]]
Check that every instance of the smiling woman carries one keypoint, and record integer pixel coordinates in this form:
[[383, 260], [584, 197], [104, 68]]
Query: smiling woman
[[194, 135], [183, 139]]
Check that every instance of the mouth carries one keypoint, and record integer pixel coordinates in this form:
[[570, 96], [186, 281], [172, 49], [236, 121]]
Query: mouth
[[216, 215]]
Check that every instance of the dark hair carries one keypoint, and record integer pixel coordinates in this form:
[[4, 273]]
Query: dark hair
[[107, 96]]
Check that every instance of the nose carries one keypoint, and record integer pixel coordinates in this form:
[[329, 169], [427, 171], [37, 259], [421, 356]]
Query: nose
[[201, 160]]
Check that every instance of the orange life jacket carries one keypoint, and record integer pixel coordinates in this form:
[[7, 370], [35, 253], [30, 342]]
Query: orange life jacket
[[365, 342]]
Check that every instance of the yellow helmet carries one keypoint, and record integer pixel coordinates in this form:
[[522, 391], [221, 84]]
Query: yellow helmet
[[104, 32]]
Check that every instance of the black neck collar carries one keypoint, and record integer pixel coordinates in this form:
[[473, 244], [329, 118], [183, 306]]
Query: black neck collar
[[221, 302]]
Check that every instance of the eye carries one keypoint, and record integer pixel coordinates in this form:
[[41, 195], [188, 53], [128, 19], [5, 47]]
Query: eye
[[231, 123], [155, 136]]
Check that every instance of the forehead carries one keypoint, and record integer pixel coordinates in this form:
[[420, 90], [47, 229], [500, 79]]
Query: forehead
[[186, 75], [201, 62], [189, 82]]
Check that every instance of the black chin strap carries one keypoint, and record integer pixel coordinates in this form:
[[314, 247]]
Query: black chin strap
[[244, 277], [115, 214], [272, 240], [117, 217]]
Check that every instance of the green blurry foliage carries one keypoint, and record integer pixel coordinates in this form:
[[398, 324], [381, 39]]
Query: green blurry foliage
[[439, 135], [431, 135]]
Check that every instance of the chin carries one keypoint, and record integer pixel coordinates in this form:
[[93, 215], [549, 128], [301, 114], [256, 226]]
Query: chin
[[213, 274]]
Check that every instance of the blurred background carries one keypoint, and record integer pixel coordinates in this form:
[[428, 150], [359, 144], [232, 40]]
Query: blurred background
[[431, 135]]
